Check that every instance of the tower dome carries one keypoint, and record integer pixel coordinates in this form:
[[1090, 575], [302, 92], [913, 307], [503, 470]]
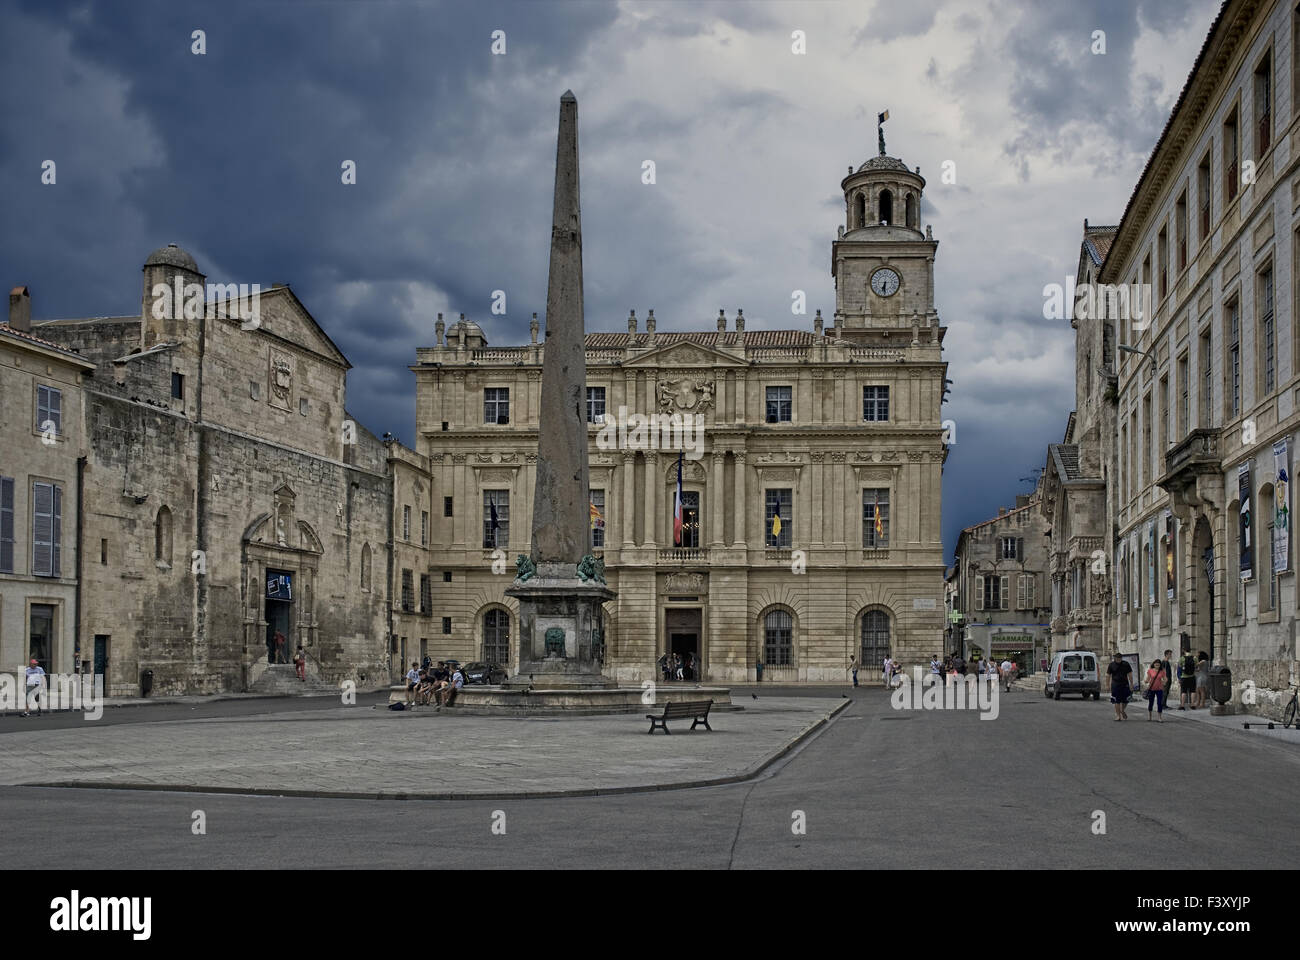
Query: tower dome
[[172, 256], [883, 198]]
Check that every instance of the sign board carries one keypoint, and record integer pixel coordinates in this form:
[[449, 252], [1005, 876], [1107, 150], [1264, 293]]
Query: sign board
[[279, 586]]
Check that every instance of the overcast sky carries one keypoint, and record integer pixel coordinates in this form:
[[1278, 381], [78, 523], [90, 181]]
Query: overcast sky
[[235, 155]]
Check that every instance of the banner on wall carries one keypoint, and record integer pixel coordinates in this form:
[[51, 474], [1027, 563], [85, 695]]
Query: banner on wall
[[1244, 545], [1169, 553], [1151, 563], [1281, 508]]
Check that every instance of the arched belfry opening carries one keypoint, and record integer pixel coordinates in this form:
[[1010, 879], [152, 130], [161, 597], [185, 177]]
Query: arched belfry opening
[[909, 211], [886, 207], [859, 211]]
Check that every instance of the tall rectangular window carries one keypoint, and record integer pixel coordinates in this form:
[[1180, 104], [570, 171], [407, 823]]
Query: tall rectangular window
[[1162, 255], [1184, 400], [1230, 156], [1145, 477], [424, 528], [6, 524], [49, 409], [178, 386], [1180, 230], [995, 592], [1264, 105], [597, 497], [406, 523], [408, 591], [446, 625], [779, 404], [1207, 380], [875, 404], [447, 506], [875, 518], [426, 594], [496, 405], [1267, 333], [1162, 400], [1204, 186], [47, 529], [778, 503], [496, 519], [1026, 592], [595, 404], [691, 519], [1232, 375]]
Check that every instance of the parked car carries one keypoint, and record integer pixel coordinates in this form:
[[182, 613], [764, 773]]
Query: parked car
[[488, 673], [1073, 671]]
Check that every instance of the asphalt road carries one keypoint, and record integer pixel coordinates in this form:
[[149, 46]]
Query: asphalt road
[[876, 788]]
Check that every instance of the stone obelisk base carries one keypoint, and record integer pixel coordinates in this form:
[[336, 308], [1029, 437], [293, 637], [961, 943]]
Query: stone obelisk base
[[548, 603]]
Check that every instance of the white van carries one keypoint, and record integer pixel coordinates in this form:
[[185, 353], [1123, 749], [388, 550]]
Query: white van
[[1073, 671]]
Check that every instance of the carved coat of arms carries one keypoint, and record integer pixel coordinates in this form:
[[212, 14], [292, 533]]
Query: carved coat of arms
[[686, 394], [282, 374]]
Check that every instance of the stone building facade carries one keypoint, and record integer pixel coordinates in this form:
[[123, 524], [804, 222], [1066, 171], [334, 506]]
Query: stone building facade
[[1073, 488], [1000, 577], [1208, 381], [41, 450], [823, 428], [228, 495]]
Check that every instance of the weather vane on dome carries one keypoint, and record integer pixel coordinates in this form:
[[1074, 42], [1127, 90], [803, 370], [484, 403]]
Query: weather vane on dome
[[880, 129]]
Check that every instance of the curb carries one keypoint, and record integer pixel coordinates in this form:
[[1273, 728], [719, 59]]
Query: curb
[[497, 795]]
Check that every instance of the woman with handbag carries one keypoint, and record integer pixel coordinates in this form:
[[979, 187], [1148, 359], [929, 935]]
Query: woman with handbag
[[1156, 690]]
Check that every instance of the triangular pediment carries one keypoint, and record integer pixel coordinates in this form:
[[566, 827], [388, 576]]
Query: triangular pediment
[[685, 354], [281, 315]]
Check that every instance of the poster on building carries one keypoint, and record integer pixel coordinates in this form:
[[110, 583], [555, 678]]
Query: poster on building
[[1243, 527], [1169, 554], [1281, 509], [1151, 563]]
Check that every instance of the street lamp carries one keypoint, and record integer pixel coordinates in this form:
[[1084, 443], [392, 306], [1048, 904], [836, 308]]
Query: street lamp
[[1143, 353]]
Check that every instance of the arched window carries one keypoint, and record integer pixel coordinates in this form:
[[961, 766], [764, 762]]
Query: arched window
[[162, 537], [860, 211], [365, 567], [909, 210], [778, 639], [875, 639], [496, 636], [886, 207]]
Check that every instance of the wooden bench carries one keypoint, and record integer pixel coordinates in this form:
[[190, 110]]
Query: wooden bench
[[697, 710]]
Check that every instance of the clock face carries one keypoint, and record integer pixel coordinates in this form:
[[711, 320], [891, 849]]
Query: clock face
[[884, 282]]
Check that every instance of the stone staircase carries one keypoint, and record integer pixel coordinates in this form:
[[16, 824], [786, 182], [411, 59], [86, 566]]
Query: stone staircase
[[281, 680]]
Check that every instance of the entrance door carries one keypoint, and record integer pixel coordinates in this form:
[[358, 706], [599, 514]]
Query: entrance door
[[686, 646], [101, 654], [279, 610], [41, 646]]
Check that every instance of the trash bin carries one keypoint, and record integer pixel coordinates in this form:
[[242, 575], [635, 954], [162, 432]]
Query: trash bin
[[1220, 684], [146, 682]]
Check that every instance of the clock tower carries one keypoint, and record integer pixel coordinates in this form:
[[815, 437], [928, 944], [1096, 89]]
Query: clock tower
[[882, 262]]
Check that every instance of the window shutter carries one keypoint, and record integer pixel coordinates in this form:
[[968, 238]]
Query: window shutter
[[1005, 598], [7, 524], [56, 412], [56, 522], [1020, 548], [42, 528], [979, 593]]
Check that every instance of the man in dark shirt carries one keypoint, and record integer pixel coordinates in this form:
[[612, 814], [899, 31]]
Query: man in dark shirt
[[1168, 669], [1119, 672]]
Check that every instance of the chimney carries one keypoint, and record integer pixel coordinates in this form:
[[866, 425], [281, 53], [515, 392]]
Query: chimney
[[20, 309], [631, 321], [1002, 511], [650, 327], [533, 327], [722, 321], [817, 325], [740, 321], [439, 329]]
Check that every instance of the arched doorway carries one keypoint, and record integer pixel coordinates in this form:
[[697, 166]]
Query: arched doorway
[[496, 636], [875, 640], [1203, 635]]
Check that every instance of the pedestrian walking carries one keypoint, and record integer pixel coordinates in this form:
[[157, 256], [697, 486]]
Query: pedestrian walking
[[677, 666], [1004, 671], [300, 663], [853, 669], [1187, 681], [35, 680], [887, 671], [758, 671], [1156, 690], [936, 669], [279, 647], [1119, 672], [1202, 679]]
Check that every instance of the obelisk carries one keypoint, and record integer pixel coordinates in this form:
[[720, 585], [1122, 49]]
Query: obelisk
[[561, 517], [560, 585]]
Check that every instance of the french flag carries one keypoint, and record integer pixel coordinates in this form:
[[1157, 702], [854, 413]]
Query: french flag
[[677, 504]]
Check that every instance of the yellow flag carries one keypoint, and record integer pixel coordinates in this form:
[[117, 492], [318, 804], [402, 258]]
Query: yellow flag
[[776, 524]]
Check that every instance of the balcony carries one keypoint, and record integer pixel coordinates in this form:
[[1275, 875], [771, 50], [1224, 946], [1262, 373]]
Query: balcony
[[684, 555], [875, 553], [1193, 468]]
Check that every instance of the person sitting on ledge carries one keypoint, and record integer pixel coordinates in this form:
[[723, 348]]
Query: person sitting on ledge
[[447, 692], [412, 680]]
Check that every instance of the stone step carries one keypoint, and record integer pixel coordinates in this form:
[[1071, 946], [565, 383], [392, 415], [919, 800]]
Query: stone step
[[282, 679]]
